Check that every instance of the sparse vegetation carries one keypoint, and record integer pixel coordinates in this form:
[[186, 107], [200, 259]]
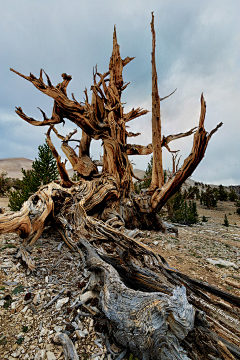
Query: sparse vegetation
[[24, 328], [7, 246], [20, 340], [18, 289]]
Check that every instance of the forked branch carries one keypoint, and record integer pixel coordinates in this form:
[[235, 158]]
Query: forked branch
[[133, 149], [72, 110], [200, 142]]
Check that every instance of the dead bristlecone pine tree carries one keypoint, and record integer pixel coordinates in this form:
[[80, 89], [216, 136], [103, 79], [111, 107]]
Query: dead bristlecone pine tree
[[152, 310]]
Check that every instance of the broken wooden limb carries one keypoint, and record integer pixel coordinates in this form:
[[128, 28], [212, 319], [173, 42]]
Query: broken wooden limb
[[69, 350], [157, 168]]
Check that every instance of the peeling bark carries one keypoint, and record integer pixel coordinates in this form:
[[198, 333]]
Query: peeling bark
[[153, 310]]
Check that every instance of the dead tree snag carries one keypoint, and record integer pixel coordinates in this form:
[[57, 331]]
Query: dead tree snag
[[153, 310]]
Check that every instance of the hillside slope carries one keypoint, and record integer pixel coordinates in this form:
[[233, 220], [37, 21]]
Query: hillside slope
[[13, 166]]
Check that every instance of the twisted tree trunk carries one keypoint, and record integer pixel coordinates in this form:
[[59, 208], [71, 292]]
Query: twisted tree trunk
[[153, 310]]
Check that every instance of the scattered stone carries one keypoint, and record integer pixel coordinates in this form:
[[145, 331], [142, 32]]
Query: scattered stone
[[49, 347], [37, 298], [81, 334], [50, 355], [58, 329], [222, 262], [16, 354], [10, 283], [40, 355], [87, 296], [66, 279], [61, 302]]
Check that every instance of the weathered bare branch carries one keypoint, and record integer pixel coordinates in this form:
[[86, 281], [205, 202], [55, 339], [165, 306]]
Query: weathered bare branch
[[65, 180], [69, 349], [153, 310], [200, 142], [152, 292], [134, 113], [132, 149], [169, 138], [82, 163], [56, 119], [127, 60], [72, 110], [165, 97], [131, 134]]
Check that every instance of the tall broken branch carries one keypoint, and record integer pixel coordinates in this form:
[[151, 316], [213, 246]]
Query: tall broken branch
[[157, 168]]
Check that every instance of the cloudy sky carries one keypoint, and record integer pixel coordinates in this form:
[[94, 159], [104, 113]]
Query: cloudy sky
[[198, 50]]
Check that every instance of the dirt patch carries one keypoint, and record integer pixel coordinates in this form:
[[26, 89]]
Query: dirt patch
[[4, 201]]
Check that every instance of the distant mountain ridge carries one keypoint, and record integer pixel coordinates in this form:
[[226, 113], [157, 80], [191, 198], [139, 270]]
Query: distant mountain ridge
[[13, 166]]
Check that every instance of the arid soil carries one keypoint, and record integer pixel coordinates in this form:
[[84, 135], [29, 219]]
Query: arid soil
[[34, 307]]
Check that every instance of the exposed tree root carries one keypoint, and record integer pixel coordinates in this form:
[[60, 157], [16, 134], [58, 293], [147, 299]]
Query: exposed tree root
[[155, 311]]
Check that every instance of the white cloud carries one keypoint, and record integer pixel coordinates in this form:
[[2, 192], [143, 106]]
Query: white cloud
[[197, 51]]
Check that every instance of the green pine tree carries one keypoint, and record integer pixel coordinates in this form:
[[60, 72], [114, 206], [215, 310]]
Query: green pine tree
[[222, 193], [45, 165], [148, 178], [4, 183], [237, 204], [180, 211], [232, 196], [209, 197], [44, 170], [225, 222]]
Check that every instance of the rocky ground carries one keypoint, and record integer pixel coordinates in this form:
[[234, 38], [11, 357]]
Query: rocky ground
[[33, 308]]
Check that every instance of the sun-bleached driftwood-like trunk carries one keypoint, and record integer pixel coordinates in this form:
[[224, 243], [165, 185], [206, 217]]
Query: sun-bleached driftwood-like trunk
[[153, 310]]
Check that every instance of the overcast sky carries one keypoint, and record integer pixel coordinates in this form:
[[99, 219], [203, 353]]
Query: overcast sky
[[198, 50]]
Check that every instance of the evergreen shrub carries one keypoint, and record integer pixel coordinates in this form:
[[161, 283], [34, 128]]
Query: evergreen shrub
[[44, 170]]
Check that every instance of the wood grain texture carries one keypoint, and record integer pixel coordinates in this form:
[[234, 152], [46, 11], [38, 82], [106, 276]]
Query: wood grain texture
[[154, 311]]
